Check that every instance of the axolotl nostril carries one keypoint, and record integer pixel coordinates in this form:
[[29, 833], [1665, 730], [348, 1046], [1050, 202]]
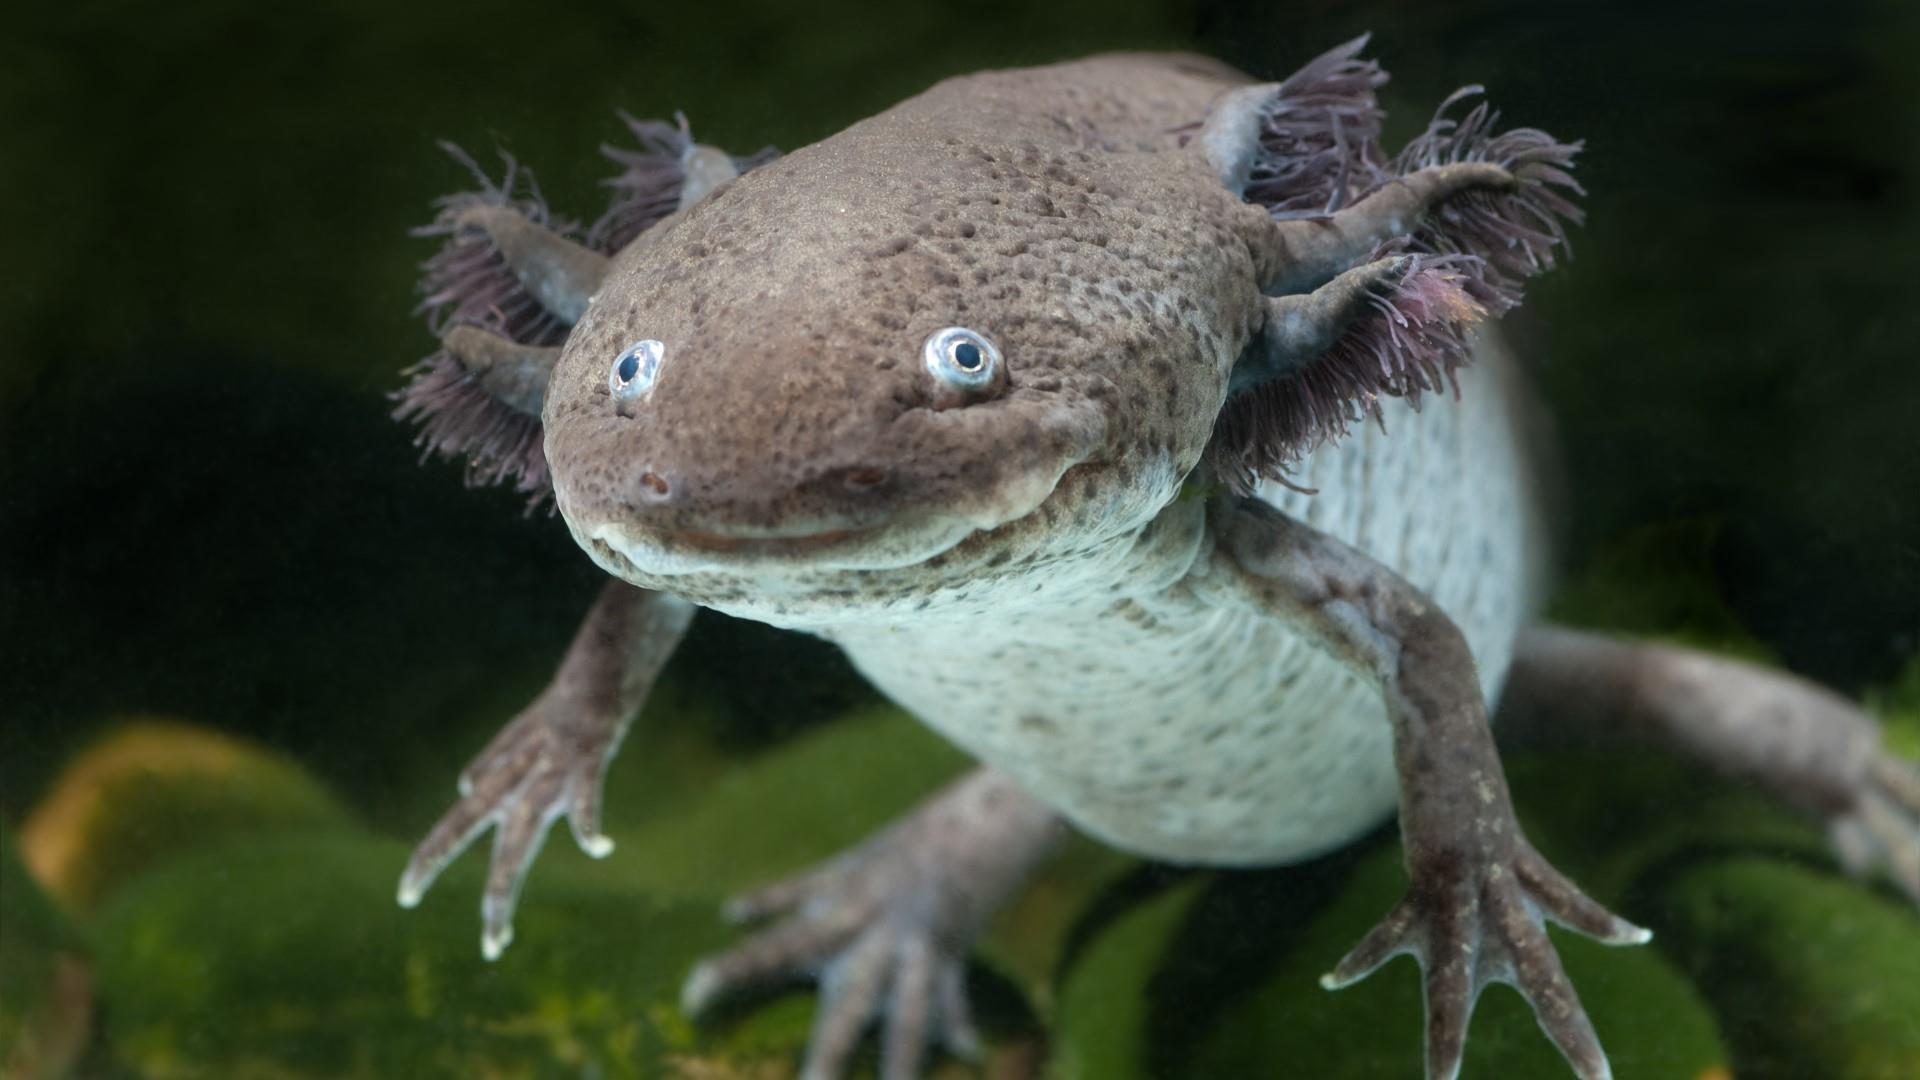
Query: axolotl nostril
[[1046, 395]]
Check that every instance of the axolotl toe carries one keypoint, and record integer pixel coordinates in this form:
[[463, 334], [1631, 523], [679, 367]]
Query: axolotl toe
[[1048, 395]]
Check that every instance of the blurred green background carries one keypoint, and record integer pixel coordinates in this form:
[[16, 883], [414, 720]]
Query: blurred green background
[[204, 512]]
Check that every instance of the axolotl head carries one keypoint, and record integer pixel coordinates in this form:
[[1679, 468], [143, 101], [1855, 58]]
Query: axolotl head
[[870, 377]]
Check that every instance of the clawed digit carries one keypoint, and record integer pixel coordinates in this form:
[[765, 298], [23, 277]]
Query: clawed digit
[[1490, 928], [885, 927], [871, 964], [1887, 819], [519, 785]]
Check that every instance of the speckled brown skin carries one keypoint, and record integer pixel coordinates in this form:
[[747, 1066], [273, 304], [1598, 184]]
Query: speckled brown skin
[[1027, 199], [795, 463]]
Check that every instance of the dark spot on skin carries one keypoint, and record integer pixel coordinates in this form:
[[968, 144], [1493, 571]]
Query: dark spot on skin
[[865, 478]]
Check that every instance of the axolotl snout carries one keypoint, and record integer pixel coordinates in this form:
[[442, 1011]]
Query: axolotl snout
[[1037, 394]]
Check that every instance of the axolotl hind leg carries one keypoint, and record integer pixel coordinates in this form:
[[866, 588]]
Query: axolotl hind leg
[[885, 927], [1799, 741]]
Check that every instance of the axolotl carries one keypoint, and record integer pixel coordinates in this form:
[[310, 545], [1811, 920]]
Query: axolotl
[[1129, 421]]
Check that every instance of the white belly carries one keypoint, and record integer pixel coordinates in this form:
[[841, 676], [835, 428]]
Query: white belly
[[1198, 735]]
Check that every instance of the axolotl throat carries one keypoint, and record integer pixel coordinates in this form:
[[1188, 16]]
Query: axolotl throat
[[1047, 395]]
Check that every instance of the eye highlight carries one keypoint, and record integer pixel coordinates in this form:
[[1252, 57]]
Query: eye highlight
[[634, 369], [961, 358]]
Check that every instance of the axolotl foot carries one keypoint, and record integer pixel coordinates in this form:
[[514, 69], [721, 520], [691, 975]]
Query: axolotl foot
[[550, 760], [885, 927], [1472, 922], [1882, 827]]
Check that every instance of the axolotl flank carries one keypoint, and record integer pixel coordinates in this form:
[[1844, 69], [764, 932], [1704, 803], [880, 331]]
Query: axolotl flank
[[1049, 396]]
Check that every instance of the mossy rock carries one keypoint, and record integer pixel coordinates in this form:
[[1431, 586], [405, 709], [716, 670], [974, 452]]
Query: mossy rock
[[265, 941], [286, 955], [1218, 976], [1766, 960], [1608, 817], [1658, 581], [277, 949], [46, 989], [152, 789], [777, 813], [247, 924], [1811, 974]]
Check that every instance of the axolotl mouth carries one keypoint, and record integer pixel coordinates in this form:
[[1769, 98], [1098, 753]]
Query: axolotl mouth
[[635, 550], [799, 542], [687, 551]]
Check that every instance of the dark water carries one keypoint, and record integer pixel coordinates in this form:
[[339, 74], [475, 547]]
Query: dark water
[[205, 514]]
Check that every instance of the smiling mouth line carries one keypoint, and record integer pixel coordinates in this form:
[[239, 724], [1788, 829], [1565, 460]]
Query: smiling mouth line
[[689, 550], [721, 542]]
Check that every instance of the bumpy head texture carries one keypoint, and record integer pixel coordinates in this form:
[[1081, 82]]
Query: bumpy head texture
[[795, 398], [468, 282]]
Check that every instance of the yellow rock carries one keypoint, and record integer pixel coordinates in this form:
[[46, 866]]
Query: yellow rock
[[153, 788]]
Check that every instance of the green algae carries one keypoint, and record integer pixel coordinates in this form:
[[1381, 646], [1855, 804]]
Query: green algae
[[1657, 581], [1809, 974], [289, 951], [46, 992], [787, 809], [1898, 706], [1218, 976], [278, 951]]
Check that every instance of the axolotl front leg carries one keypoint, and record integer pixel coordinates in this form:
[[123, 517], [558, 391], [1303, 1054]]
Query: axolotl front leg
[[551, 759], [1370, 299], [1478, 890], [502, 294]]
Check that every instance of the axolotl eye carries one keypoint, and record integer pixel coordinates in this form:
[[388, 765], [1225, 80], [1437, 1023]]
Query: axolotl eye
[[961, 359], [634, 369]]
